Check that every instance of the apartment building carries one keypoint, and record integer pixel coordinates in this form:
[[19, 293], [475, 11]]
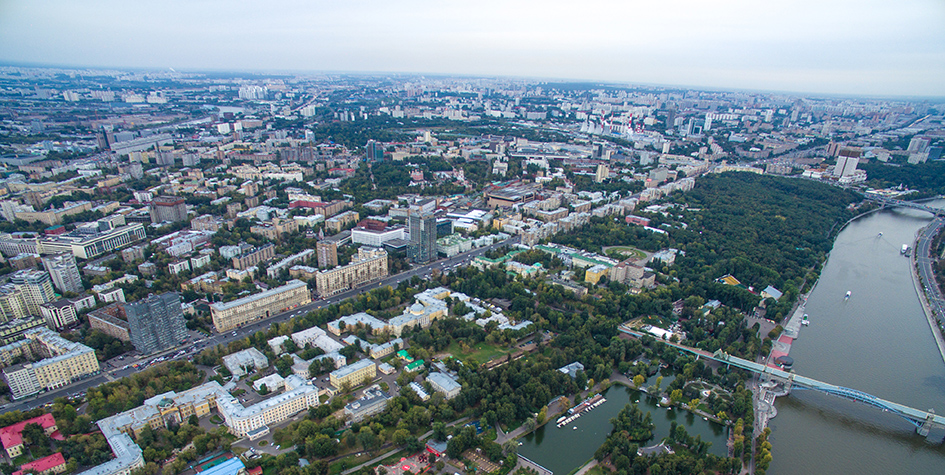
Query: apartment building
[[65, 362], [229, 315], [370, 264], [255, 256]]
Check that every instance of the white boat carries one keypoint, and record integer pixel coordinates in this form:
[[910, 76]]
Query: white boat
[[805, 321], [847, 296], [879, 235]]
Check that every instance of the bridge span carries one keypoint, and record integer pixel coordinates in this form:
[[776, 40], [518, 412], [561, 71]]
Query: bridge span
[[924, 421], [891, 203]]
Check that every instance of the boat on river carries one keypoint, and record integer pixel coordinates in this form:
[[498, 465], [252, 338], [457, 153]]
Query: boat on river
[[805, 321], [847, 296]]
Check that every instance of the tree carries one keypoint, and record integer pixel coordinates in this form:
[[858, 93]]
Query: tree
[[639, 380], [33, 434]]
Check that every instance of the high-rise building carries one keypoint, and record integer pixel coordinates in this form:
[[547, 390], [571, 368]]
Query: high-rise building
[[847, 161], [602, 173], [918, 145], [156, 323], [36, 287], [64, 272], [422, 248], [375, 151], [168, 208], [327, 253]]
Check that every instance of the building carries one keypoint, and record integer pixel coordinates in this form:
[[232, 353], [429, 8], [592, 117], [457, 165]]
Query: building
[[168, 209], [373, 401], [602, 173], [422, 247], [572, 369], [111, 320], [53, 217], [336, 223], [241, 362], [375, 237], [54, 463], [369, 265], [276, 229], [327, 253], [418, 389], [353, 374], [178, 267], [254, 256], [12, 436], [69, 362], [353, 322], [64, 272], [443, 383], [156, 323], [229, 315], [36, 287], [12, 303], [299, 395], [59, 314], [91, 241]]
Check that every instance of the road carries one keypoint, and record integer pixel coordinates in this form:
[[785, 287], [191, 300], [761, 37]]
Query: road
[[109, 374], [933, 294]]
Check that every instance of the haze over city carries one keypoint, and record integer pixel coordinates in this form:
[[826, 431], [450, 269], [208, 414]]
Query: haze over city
[[836, 47]]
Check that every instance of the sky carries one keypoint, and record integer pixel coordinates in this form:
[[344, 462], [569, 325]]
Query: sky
[[859, 47]]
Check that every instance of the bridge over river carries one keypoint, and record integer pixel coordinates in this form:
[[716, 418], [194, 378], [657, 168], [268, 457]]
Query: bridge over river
[[924, 421], [894, 203]]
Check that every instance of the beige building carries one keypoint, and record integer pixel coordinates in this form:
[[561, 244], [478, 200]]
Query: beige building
[[111, 320], [54, 216], [65, 362], [337, 223], [275, 229], [369, 265], [229, 315], [353, 374], [254, 257]]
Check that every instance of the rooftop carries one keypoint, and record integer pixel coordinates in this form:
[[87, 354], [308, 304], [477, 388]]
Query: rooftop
[[292, 284]]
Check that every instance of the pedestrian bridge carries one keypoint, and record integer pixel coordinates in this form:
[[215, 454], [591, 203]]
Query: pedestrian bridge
[[924, 421], [894, 203]]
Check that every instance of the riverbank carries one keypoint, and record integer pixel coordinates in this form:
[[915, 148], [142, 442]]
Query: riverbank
[[923, 298]]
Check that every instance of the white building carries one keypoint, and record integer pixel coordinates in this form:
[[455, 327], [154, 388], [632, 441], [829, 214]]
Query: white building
[[238, 363]]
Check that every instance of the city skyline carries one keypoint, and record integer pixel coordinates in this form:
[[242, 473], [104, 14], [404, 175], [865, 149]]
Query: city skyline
[[808, 47]]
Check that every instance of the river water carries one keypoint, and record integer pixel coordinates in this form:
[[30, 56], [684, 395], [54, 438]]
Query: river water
[[879, 342], [564, 450]]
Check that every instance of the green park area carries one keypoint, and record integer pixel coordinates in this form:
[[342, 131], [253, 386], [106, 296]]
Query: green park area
[[479, 353], [627, 252]]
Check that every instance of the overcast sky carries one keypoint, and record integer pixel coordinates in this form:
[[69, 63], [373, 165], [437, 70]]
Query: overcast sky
[[879, 47]]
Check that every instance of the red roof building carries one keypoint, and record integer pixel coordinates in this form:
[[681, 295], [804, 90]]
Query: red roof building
[[54, 463], [255, 471], [12, 436]]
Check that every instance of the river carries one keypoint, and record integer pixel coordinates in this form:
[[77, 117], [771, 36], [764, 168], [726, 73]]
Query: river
[[564, 450], [879, 342]]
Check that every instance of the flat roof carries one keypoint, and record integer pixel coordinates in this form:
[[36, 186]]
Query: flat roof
[[292, 284]]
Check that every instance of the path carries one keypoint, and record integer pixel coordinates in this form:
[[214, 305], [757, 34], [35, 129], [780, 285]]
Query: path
[[397, 449]]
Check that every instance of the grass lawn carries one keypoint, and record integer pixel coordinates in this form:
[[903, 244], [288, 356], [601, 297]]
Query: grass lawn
[[216, 419], [263, 443], [348, 462], [480, 353]]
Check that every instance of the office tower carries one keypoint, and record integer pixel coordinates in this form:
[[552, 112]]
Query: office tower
[[327, 253], [422, 248], [375, 151], [156, 323], [36, 287], [168, 208], [64, 272]]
